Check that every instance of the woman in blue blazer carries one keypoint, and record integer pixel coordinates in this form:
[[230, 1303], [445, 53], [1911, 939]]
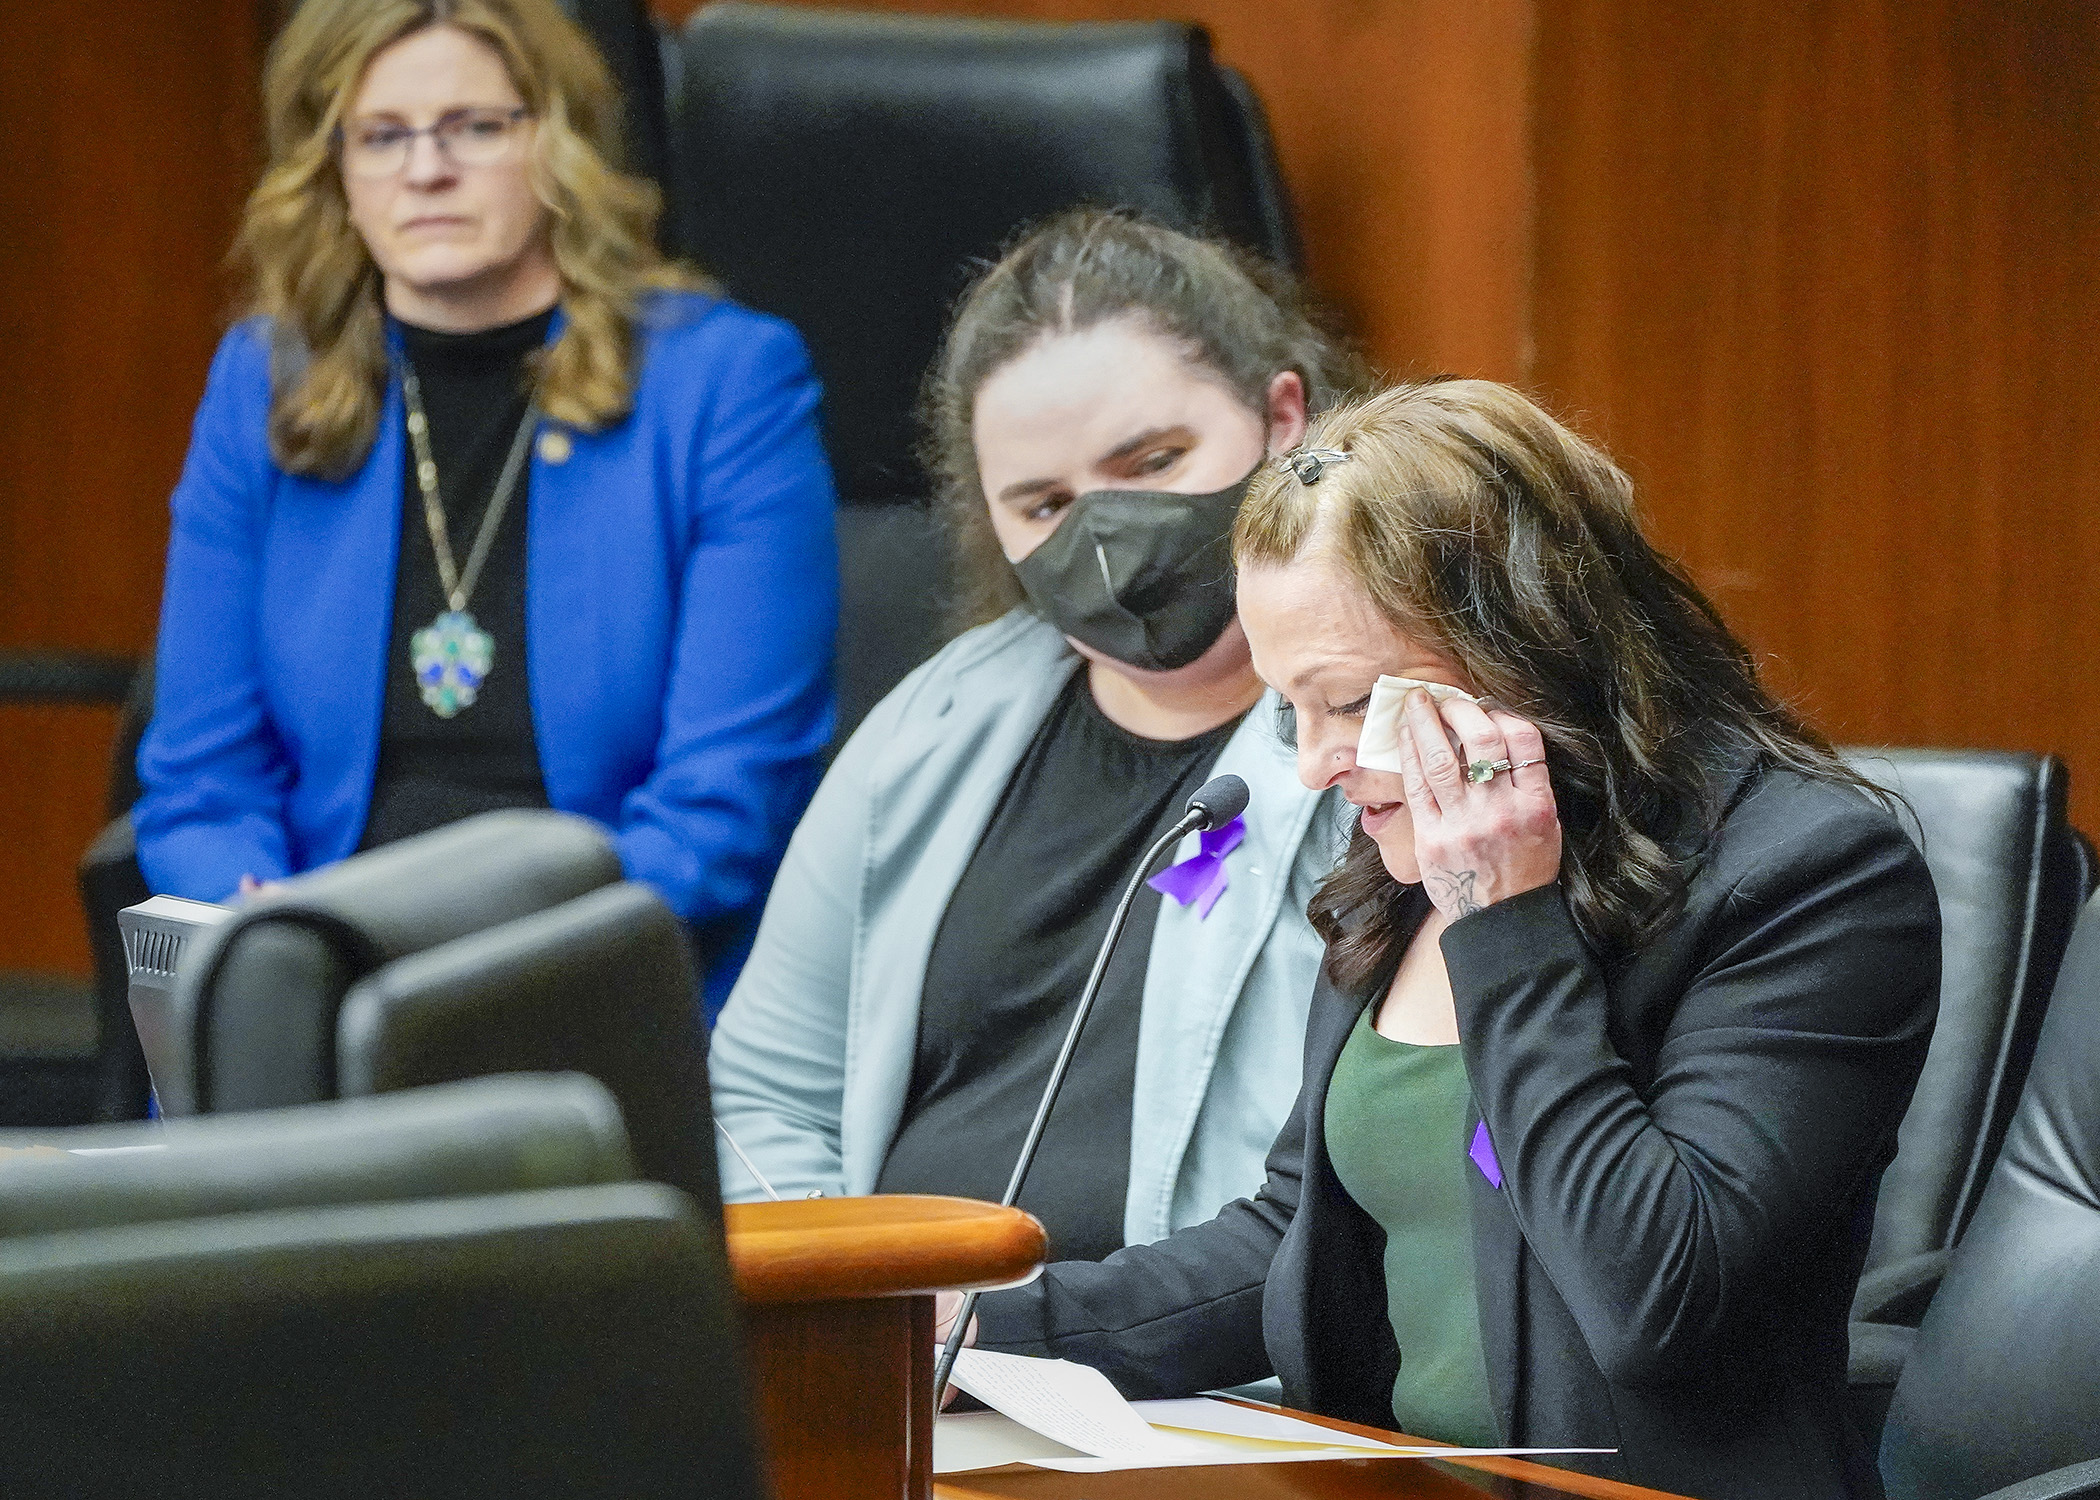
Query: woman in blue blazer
[[488, 506]]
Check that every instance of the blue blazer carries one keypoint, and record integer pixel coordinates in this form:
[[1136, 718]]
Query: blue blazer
[[681, 601]]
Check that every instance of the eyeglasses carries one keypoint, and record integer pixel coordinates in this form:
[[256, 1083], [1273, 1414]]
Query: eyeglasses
[[373, 149]]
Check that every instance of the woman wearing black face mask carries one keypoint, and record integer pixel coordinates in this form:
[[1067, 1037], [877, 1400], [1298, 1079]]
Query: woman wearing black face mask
[[1103, 396]]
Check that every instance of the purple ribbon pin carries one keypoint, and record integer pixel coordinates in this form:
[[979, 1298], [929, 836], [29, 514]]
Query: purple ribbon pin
[[1483, 1153], [1200, 879]]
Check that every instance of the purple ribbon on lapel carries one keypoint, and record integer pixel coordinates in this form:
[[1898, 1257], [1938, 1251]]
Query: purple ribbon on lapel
[[1483, 1153], [1200, 879]]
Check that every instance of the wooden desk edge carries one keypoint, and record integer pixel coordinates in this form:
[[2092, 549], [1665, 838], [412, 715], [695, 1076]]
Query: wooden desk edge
[[826, 1249], [1568, 1480]]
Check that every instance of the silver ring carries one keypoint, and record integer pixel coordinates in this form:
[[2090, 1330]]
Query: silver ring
[[1480, 772]]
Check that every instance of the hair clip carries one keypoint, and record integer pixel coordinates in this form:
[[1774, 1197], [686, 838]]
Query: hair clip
[[1308, 464]]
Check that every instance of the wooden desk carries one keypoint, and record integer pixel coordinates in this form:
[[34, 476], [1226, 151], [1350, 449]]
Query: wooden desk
[[838, 1318], [1341, 1479]]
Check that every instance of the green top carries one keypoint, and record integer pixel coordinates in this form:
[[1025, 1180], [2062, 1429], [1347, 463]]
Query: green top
[[1396, 1133]]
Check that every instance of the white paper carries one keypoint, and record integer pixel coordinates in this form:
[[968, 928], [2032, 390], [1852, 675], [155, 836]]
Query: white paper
[[1070, 1404], [1054, 1414], [966, 1440], [1202, 1414], [1378, 747]]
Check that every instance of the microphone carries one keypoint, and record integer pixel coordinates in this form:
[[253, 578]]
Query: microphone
[[1217, 802], [1220, 801]]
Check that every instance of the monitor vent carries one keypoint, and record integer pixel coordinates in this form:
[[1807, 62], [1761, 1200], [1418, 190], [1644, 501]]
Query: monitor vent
[[153, 952]]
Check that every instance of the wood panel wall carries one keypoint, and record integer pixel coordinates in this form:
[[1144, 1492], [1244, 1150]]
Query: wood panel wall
[[1824, 275], [127, 139], [1402, 126], [1819, 273]]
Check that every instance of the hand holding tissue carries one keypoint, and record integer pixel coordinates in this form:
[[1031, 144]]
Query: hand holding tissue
[[1378, 748]]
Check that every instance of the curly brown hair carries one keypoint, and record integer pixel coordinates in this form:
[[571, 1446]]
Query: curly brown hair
[[312, 277], [1479, 525], [1237, 316]]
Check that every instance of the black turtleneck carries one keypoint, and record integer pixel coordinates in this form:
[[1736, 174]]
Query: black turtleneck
[[434, 771]]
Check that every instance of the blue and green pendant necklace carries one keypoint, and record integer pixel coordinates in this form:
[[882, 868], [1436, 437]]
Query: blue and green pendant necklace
[[452, 655]]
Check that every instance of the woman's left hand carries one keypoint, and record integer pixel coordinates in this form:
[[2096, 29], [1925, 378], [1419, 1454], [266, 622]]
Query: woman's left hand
[[1478, 842]]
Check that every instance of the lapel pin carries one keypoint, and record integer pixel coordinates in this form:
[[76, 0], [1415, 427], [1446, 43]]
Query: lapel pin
[[1483, 1153], [1201, 879]]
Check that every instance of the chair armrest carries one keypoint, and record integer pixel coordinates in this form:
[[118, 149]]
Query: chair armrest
[[1878, 1353], [109, 879], [889, 1245], [65, 677], [1900, 1291], [2072, 1482]]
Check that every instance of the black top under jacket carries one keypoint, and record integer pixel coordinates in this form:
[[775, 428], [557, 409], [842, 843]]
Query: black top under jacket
[[435, 771], [1009, 960], [1691, 1137]]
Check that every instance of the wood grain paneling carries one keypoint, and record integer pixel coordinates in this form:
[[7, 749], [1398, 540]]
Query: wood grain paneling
[[1820, 273], [1823, 277], [126, 144], [839, 1408]]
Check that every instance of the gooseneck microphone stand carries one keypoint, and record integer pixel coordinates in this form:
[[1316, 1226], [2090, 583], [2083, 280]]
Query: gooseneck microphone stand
[[1216, 803]]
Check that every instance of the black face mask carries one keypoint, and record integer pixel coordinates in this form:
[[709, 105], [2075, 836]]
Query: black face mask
[[1139, 575]]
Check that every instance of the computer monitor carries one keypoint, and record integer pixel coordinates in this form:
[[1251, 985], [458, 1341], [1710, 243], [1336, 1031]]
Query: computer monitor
[[157, 933]]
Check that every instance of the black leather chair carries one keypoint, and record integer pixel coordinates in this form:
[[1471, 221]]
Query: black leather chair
[[109, 879], [603, 985], [2011, 875], [579, 1341], [60, 1053], [257, 1002], [2001, 1388], [851, 172], [447, 1291], [627, 38]]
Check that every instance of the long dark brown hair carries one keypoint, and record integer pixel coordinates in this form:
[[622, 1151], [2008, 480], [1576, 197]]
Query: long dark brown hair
[[1236, 316], [1480, 526]]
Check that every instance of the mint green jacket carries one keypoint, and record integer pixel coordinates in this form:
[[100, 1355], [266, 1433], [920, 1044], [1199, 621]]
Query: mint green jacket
[[813, 1053]]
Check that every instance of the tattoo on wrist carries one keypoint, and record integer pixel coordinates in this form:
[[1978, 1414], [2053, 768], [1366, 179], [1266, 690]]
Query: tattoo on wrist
[[1454, 889]]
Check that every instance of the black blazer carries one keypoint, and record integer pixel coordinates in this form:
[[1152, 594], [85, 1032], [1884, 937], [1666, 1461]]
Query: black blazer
[[1690, 1136]]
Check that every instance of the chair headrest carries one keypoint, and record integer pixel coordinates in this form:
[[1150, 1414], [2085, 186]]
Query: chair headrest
[[1995, 833], [488, 1135], [603, 984], [852, 172], [575, 1341]]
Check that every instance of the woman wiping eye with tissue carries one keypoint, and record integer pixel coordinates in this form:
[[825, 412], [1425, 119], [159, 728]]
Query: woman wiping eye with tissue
[[1105, 395], [1628, 981]]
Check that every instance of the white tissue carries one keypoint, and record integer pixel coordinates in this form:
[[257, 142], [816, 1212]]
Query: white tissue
[[1378, 748]]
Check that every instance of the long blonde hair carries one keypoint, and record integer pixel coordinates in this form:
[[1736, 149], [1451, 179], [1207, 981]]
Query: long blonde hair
[[313, 278]]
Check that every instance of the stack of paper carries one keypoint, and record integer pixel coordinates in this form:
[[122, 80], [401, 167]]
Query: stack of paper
[[1053, 1414]]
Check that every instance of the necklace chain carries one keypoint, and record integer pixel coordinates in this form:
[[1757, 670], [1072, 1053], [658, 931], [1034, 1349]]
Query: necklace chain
[[459, 587]]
